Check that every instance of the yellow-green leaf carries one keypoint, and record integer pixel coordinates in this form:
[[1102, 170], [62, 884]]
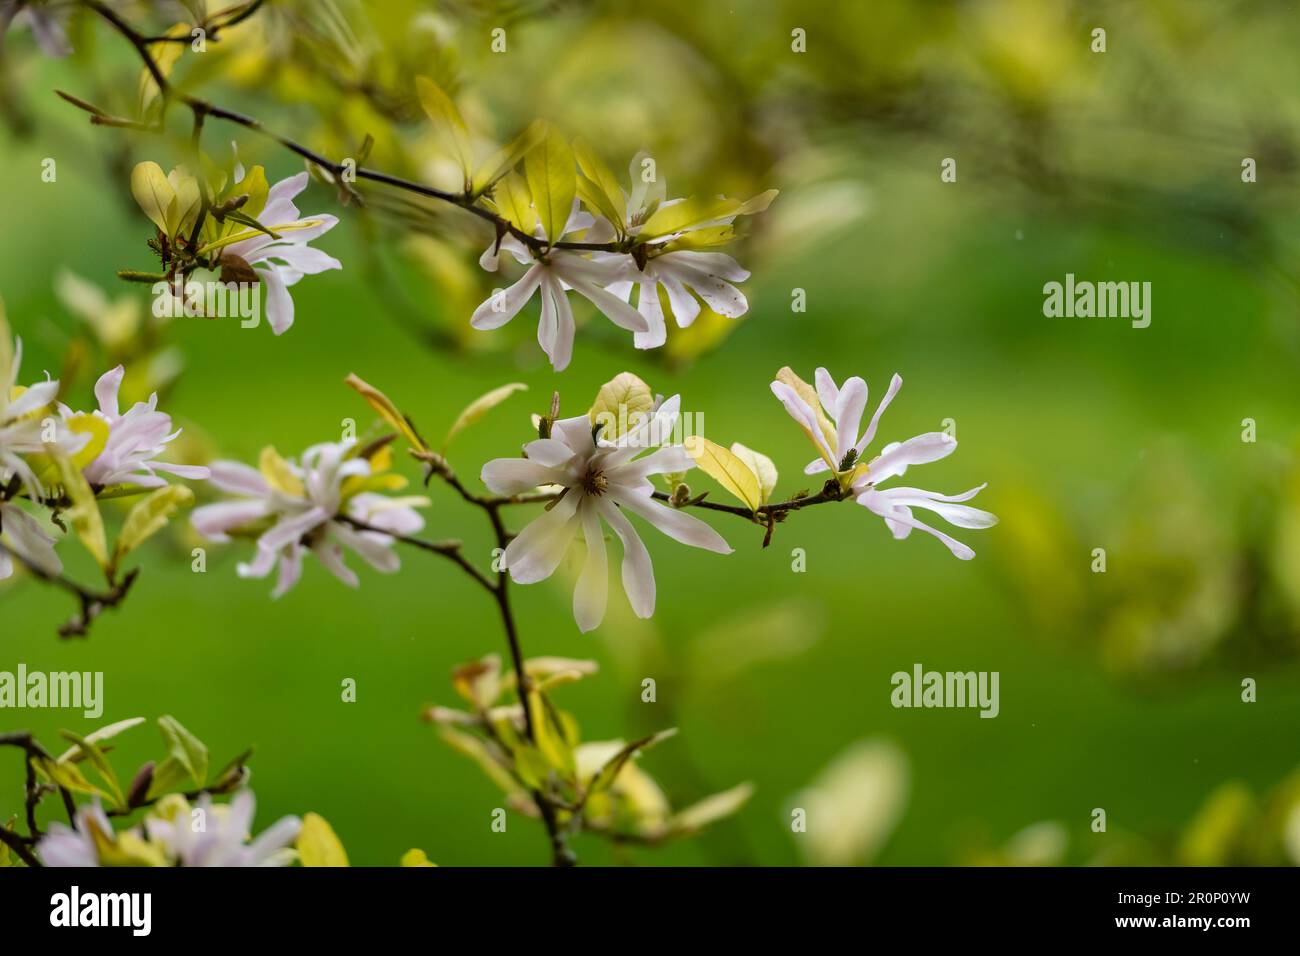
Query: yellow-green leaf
[[761, 466], [447, 121], [387, 410], [84, 514], [152, 191], [610, 770], [553, 180], [416, 857], [318, 845], [184, 747], [507, 157], [149, 516], [515, 203], [710, 809], [728, 470], [107, 732], [686, 215], [621, 404], [278, 474], [605, 194], [480, 407], [67, 776]]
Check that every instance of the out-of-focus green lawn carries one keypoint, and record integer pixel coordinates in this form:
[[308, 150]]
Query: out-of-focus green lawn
[[1068, 410]]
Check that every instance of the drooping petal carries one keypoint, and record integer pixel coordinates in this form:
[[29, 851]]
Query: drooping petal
[[883, 506], [591, 593], [215, 522], [239, 479], [279, 304], [501, 307], [675, 523], [537, 550], [638, 572]]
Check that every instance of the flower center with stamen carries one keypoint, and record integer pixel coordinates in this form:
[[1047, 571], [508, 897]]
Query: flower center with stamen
[[595, 482]]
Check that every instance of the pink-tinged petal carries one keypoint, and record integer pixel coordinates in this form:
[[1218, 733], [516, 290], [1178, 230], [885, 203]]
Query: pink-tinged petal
[[847, 411], [537, 550], [827, 391], [279, 304], [592, 591], [215, 522], [190, 472], [513, 476], [816, 466], [290, 570], [802, 414], [896, 458], [676, 524], [238, 479], [290, 530], [263, 561], [895, 384], [29, 539], [106, 390], [331, 555], [638, 572], [375, 549], [286, 190], [305, 259], [500, 308]]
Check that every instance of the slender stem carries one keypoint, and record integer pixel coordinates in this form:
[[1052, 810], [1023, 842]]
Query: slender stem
[[467, 201], [15, 843]]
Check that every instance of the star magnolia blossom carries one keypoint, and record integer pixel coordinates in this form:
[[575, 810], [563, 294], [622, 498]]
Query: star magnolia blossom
[[833, 428], [282, 262], [601, 481], [553, 273], [65, 845], [222, 841], [134, 440], [304, 503]]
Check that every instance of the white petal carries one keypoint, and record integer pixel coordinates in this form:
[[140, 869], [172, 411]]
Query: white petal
[[638, 572], [847, 411], [675, 523], [106, 390], [591, 593], [883, 506], [501, 308], [895, 384], [537, 550], [279, 304], [513, 476], [920, 450], [238, 478], [216, 521]]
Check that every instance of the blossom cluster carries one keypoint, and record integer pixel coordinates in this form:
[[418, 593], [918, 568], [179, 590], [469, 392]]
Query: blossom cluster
[[46, 447]]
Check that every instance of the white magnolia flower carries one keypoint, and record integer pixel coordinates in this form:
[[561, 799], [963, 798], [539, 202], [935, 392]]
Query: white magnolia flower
[[22, 430], [304, 502], [708, 274], [135, 439], [680, 271], [834, 429], [222, 838], [24, 534], [553, 272], [282, 262], [602, 482], [65, 845]]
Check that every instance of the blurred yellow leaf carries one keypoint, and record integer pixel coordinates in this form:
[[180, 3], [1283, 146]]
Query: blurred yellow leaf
[[318, 845], [709, 810], [84, 514], [447, 122], [507, 157], [476, 409], [599, 187], [416, 857], [148, 517], [387, 410]]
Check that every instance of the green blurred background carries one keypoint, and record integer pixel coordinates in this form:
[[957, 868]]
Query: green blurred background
[[1119, 690]]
